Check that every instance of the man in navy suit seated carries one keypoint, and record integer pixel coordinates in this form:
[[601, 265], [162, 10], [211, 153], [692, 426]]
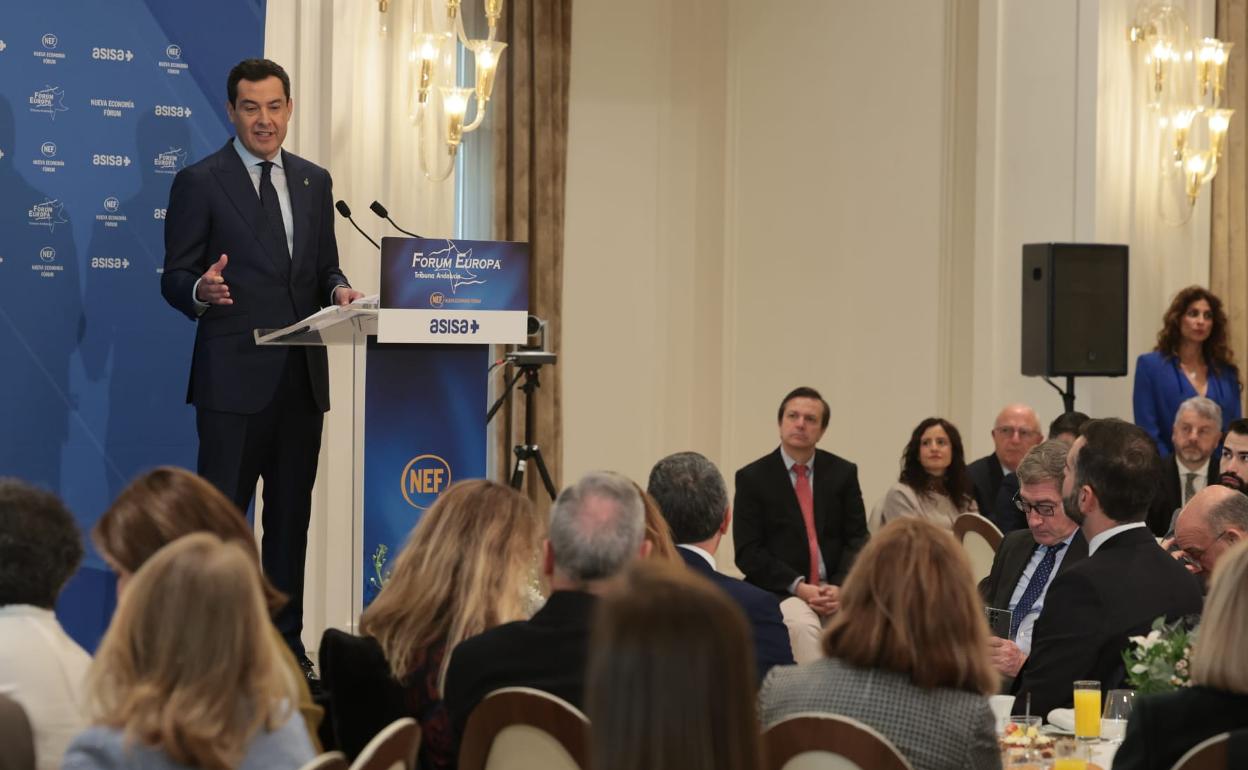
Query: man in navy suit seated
[[691, 493], [1094, 607]]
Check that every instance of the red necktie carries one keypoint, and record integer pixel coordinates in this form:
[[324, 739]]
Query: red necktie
[[806, 500]]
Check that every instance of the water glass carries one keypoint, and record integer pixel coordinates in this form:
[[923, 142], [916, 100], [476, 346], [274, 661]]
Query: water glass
[[1118, 705]]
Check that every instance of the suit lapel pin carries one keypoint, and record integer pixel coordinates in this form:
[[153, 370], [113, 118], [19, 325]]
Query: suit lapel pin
[[305, 181]]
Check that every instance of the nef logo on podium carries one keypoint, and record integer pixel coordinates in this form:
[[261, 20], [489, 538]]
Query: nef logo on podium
[[423, 479]]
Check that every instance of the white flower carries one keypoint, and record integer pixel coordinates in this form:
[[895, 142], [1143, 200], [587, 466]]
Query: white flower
[[1147, 642], [1139, 668]]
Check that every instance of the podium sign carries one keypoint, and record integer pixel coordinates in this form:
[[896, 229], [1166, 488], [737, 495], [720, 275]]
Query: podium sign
[[451, 291]]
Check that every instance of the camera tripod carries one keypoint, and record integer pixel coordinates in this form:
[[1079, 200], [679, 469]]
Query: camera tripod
[[528, 367]]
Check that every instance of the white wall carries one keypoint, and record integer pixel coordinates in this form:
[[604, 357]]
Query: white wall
[[824, 246]]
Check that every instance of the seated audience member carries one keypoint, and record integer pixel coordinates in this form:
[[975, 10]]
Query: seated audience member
[[1208, 526], [1233, 468], [463, 570], [16, 736], [799, 521], [1065, 426], [1125, 583], [1028, 560], [691, 494], [1192, 467], [189, 672], [906, 655], [40, 666], [658, 533], [671, 676], [161, 506], [1164, 726], [1016, 430], [597, 526], [934, 484]]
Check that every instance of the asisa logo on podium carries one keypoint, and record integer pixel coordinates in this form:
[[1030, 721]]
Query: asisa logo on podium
[[453, 291], [423, 479]]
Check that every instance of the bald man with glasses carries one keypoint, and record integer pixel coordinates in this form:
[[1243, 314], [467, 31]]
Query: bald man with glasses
[[1029, 559], [1015, 431]]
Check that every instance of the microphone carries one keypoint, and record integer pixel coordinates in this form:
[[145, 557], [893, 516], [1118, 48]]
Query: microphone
[[345, 210], [380, 211]]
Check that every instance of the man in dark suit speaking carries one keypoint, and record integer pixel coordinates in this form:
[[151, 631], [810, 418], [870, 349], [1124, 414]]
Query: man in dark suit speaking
[[691, 494], [1126, 582], [249, 243], [800, 521]]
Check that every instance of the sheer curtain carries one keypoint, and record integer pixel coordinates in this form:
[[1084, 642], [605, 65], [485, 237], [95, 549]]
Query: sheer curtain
[[1229, 231], [350, 88], [530, 170]]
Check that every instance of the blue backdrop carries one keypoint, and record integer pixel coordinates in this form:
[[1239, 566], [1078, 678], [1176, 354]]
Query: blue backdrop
[[100, 105]]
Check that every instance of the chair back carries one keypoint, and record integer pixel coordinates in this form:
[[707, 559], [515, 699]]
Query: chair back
[[394, 748], [980, 538], [330, 760], [16, 736], [828, 742], [362, 697], [1209, 754], [521, 728]]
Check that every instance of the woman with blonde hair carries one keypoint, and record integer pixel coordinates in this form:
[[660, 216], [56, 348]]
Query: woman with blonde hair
[[671, 675], [469, 565], [167, 503], [907, 654], [658, 533], [188, 674], [1164, 726]]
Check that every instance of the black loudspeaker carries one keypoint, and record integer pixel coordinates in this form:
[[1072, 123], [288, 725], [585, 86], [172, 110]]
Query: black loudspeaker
[[1074, 310]]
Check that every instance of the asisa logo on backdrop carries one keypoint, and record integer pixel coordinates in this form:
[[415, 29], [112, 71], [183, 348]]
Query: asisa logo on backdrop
[[423, 479], [48, 101], [171, 161]]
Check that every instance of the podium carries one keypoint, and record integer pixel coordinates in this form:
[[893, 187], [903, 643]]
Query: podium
[[419, 387]]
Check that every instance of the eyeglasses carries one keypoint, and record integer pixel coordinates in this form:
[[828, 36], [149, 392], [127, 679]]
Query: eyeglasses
[[1042, 509], [1005, 431], [1197, 554]]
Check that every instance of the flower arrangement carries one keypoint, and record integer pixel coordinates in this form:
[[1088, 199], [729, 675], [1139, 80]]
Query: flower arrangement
[[1161, 661]]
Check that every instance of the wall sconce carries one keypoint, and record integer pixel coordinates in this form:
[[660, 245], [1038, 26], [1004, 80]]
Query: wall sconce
[[434, 58], [1184, 84]]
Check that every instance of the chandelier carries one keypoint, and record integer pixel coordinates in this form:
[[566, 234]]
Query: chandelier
[[436, 100], [1184, 83]]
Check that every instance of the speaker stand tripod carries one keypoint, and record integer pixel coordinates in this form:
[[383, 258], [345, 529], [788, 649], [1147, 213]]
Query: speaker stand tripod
[[1068, 395]]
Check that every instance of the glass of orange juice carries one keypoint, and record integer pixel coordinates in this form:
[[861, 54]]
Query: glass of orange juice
[[1087, 710], [1069, 755]]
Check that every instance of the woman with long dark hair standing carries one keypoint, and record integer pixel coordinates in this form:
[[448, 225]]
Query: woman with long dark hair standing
[[1192, 358]]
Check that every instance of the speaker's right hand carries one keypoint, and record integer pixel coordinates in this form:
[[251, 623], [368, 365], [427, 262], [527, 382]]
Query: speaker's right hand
[[212, 288]]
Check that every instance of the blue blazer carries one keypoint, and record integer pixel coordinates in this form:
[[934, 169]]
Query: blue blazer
[[762, 610], [1160, 387], [214, 209]]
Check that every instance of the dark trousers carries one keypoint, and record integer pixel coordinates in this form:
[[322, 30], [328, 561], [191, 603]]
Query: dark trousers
[[279, 444]]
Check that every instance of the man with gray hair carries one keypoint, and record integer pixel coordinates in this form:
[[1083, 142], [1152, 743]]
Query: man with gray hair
[[597, 526], [691, 494], [1207, 527], [1196, 434], [1028, 560]]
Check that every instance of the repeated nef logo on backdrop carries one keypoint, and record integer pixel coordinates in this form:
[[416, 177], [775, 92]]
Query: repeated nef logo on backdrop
[[423, 479]]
